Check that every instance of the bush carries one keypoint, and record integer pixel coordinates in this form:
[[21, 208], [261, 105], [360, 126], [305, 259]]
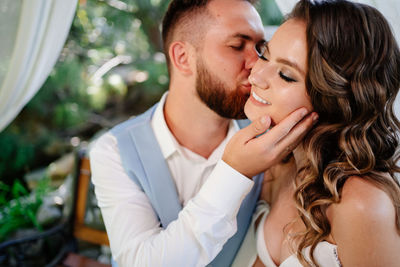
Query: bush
[[21, 211]]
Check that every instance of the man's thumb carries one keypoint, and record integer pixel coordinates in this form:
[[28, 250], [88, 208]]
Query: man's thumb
[[261, 124], [257, 127]]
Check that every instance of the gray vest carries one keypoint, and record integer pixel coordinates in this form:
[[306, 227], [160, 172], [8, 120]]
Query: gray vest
[[143, 161]]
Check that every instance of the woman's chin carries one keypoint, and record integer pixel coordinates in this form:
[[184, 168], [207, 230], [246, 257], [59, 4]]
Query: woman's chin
[[251, 114]]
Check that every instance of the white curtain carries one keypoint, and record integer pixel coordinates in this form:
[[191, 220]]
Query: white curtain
[[32, 34], [389, 8]]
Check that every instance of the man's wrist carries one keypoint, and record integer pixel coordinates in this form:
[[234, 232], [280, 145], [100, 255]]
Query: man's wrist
[[226, 188]]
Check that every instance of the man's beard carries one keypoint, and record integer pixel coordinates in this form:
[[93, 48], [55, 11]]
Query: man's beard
[[228, 103]]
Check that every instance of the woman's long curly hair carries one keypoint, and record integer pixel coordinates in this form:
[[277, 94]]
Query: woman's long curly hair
[[353, 79]]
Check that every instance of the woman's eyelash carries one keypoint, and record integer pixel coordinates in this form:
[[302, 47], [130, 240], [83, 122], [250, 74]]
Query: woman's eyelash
[[286, 78]]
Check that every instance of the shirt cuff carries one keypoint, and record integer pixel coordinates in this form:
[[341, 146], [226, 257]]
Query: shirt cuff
[[226, 188]]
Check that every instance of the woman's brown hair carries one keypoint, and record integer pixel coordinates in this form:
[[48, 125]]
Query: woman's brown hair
[[353, 79]]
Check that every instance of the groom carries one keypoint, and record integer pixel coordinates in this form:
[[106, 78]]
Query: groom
[[166, 197]]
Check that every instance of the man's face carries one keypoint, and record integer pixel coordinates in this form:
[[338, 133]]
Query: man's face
[[227, 56]]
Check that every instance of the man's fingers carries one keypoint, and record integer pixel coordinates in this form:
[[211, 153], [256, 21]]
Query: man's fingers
[[294, 137], [282, 129], [261, 125], [257, 127]]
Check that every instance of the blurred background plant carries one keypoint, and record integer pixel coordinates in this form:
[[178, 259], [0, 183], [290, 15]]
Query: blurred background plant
[[21, 211], [112, 67]]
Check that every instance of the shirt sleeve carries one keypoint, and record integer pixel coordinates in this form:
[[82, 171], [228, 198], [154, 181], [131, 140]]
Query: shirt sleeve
[[136, 237]]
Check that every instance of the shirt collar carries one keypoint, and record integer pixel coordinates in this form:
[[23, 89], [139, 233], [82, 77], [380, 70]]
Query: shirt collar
[[167, 141]]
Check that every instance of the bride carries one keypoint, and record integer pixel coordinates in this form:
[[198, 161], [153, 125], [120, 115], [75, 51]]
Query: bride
[[335, 200]]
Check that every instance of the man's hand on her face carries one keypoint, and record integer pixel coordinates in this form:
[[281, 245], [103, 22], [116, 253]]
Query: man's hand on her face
[[251, 155]]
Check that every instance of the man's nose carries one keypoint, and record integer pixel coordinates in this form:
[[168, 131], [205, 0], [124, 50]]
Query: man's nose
[[251, 59]]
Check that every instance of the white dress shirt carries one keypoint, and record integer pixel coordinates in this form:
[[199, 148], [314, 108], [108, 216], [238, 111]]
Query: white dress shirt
[[210, 191]]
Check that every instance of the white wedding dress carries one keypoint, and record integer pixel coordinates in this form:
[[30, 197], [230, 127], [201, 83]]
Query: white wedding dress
[[325, 253]]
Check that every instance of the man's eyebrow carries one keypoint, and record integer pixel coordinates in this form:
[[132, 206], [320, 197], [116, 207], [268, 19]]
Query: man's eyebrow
[[242, 36], [288, 62]]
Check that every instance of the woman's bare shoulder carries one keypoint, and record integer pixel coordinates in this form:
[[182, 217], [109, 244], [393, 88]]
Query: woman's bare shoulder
[[362, 199], [363, 224]]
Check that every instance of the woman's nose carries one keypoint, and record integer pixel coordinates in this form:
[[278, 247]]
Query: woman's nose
[[258, 77]]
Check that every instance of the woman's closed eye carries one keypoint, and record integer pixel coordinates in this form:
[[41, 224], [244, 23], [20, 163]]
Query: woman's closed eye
[[286, 77]]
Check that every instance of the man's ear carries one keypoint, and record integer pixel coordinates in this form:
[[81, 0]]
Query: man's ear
[[180, 55]]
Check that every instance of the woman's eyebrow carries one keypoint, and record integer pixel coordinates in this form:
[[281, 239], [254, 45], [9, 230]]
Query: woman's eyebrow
[[291, 64], [288, 62]]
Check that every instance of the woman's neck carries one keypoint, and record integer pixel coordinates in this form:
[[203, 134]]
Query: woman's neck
[[278, 180]]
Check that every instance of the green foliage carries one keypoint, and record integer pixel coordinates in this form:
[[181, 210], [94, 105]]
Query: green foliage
[[21, 211], [269, 12], [16, 151]]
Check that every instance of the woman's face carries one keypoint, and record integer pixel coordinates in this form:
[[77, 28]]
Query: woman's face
[[278, 77]]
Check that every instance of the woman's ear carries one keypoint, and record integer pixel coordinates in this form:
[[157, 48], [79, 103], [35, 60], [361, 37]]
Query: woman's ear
[[180, 55]]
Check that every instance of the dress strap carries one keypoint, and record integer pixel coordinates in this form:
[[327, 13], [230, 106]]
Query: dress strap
[[247, 253]]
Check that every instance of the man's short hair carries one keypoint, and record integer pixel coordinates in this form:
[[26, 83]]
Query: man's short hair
[[186, 14]]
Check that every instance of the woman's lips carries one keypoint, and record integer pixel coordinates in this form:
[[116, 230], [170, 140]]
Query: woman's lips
[[256, 98]]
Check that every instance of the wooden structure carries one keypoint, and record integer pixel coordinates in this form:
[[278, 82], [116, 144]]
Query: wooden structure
[[81, 231]]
